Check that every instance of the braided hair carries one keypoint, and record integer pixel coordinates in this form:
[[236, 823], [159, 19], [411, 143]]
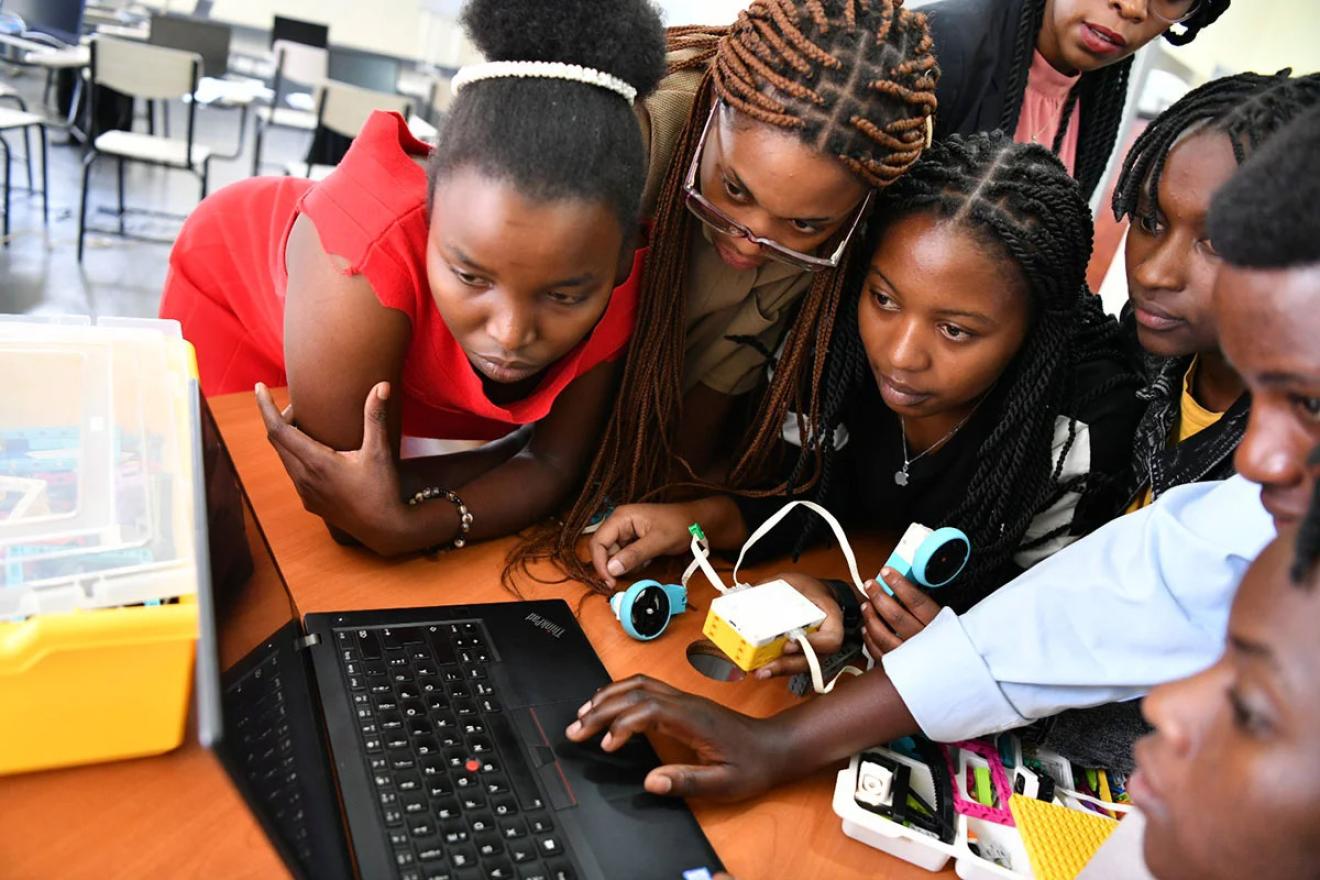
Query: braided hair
[[555, 138], [1018, 201], [1101, 93], [1248, 107], [854, 79]]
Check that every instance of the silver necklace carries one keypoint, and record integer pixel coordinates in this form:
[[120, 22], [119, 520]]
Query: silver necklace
[[901, 475]]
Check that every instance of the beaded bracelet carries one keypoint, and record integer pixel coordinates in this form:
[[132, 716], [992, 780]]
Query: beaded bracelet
[[464, 515]]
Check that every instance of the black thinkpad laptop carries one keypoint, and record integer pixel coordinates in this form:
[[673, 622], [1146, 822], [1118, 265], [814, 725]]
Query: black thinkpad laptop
[[428, 743]]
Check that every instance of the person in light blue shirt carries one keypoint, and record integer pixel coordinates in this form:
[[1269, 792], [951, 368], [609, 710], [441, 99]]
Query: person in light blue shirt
[[1140, 602]]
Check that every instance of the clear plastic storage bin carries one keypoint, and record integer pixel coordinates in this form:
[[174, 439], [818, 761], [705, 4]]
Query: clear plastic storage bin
[[102, 539]]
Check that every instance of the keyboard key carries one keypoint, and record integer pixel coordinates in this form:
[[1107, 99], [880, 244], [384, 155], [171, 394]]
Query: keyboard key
[[504, 806], [373, 668], [448, 809], [406, 691], [489, 704], [463, 708], [421, 828], [436, 702], [391, 639], [499, 786], [393, 741], [489, 845], [377, 763], [383, 780], [481, 823], [426, 745], [418, 653], [372, 744], [456, 836], [433, 767], [380, 689], [441, 648], [402, 761], [522, 851], [410, 874], [472, 800], [540, 824], [413, 804], [550, 846], [419, 726], [561, 871], [533, 872], [432, 853], [413, 708], [512, 829], [498, 869], [393, 817], [404, 857], [369, 642], [407, 782], [462, 857], [396, 660], [388, 798], [398, 838]]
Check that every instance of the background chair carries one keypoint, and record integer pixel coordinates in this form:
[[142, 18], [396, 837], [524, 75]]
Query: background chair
[[152, 73], [11, 120], [343, 111], [295, 64]]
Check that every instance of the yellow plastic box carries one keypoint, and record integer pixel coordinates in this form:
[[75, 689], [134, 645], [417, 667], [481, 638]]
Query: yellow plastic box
[[102, 540]]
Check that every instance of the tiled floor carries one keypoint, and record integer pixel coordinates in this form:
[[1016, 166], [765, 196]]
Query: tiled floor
[[39, 271]]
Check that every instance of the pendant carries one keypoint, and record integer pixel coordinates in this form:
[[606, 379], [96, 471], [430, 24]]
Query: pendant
[[901, 477]]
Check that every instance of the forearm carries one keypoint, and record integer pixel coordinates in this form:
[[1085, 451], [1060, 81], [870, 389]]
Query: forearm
[[457, 469], [831, 727]]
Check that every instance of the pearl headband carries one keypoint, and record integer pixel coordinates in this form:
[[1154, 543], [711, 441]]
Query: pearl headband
[[544, 70]]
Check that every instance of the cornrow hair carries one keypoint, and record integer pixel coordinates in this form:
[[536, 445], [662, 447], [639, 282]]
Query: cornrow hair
[[1248, 108], [1101, 93], [1018, 201], [1307, 549], [854, 79]]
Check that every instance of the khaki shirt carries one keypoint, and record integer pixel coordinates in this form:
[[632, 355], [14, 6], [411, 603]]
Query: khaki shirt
[[719, 301]]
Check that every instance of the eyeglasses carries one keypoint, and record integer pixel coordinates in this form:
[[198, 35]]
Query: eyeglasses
[[712, 216], [1173, 11]]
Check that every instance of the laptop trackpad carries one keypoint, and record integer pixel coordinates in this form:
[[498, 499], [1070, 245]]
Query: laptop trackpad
[[603, 792]]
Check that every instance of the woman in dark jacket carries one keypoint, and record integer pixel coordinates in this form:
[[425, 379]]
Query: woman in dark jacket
[[1052, 71]]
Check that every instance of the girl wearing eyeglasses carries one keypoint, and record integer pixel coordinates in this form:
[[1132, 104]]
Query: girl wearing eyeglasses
[[1052, 72], [768, 140], [972, 380]]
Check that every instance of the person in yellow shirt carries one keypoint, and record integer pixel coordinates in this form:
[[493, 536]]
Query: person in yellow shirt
[[1197, 405]]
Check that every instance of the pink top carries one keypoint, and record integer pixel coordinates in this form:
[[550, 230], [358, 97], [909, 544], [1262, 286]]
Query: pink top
[[1042, 108]]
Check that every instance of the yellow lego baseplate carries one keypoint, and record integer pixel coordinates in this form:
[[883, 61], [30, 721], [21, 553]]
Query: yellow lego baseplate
[[1059, 841]]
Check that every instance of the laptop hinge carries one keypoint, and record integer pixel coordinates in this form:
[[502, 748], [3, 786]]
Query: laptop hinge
[[306, 642]]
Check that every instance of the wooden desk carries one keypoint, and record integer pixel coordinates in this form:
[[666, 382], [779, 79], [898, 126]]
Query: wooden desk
[[177, 816]]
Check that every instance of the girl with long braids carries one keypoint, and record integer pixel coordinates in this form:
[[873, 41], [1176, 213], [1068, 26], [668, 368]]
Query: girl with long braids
[[767, 141], [482, 290], [1052, 72], [972, 380]]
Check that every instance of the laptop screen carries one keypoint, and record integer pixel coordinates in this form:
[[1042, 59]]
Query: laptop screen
[[206, 38], [256, 708]]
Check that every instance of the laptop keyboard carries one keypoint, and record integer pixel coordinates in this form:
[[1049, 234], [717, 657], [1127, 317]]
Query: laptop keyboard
[[452, 784], [265, 748]]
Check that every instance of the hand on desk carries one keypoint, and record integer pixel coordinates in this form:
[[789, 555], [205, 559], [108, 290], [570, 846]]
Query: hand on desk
[[889, 621], [355, 491], [739, 756]]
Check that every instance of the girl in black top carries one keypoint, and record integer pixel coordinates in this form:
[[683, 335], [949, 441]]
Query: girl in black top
[[972, 380], [985, 50]]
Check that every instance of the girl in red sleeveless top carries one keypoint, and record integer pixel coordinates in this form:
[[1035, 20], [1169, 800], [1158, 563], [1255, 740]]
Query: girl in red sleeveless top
[[484, 291]]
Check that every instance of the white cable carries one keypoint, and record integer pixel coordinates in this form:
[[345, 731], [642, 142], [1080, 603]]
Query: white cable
[[1102, 804], [817, 679], [824, 514]]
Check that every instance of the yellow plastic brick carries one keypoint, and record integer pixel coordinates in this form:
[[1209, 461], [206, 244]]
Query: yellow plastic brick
[[1059, 841]]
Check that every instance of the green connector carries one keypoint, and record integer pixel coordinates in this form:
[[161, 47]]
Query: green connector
[[696, 531]]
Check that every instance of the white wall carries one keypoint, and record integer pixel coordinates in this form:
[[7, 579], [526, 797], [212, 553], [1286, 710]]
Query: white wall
[[1259, 35]]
